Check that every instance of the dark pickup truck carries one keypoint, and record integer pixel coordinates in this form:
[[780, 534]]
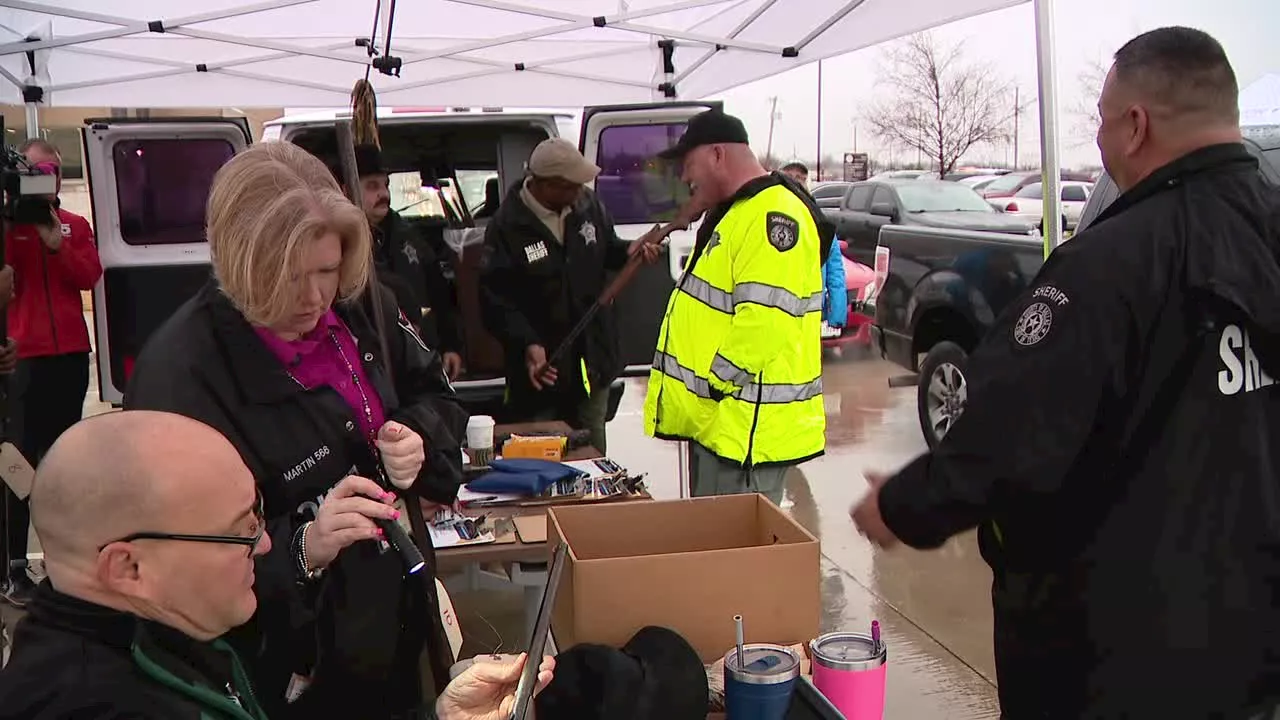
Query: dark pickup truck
[[871, 205], [940, 291]]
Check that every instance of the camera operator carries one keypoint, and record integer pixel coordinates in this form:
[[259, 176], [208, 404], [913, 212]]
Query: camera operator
[[52, 262]]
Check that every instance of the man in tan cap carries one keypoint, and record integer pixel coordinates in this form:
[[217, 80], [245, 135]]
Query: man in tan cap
[[549, 247]]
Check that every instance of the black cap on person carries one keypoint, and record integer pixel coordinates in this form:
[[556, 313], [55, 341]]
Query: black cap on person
[[708, 128]]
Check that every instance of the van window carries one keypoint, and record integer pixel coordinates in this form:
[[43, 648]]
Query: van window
[[634, 184], [163, 185], [411, 198]]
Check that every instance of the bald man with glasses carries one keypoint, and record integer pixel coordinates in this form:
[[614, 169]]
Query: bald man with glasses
[[150, 525]]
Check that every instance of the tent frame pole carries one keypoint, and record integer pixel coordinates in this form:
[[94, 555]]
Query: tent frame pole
[[1050, 162]]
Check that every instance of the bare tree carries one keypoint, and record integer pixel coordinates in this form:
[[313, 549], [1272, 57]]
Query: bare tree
[[941, 105], [1084, 111]]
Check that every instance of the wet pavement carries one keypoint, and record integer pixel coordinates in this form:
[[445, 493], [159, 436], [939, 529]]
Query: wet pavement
[[934, 608]]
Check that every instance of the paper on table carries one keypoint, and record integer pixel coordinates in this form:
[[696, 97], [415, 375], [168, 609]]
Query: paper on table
[[447, 536], [468, 496], [587, 467]]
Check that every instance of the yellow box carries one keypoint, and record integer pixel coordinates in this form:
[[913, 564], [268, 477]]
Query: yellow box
[[537, 448]]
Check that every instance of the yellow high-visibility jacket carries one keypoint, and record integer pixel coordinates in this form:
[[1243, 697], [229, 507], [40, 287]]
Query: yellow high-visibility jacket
[[738, 367]]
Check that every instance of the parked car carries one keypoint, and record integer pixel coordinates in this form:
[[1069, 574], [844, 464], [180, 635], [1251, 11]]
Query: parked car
[[940, 292], [978, 182], [871, 205], [1028, 203], [859, 285], [829, 194], [899, 175], [1009, 185]]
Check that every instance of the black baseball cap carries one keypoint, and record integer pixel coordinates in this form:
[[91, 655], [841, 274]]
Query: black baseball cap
[[707, 128], [369, 160]]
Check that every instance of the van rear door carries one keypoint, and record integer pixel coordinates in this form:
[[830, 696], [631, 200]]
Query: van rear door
[[149, 181], [640, 190]]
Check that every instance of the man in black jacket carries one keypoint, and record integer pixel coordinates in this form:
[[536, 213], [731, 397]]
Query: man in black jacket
[[408, 264], [549, 248], [1118, 451], [150, 524], [126, 626]]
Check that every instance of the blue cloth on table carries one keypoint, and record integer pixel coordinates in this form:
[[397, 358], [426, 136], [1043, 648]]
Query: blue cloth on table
[[523, 476]]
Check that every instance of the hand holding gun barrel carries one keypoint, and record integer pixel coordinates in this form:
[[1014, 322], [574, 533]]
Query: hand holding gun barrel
[[644, 249]]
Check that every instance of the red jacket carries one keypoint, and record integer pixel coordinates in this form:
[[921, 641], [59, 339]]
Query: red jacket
[[46, 315]]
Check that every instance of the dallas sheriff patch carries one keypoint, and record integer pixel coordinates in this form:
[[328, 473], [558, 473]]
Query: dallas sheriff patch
[[783, 230], [1033, 325], [588, 233], [411, 254]]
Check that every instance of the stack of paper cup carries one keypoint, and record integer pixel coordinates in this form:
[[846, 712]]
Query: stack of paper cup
[[480, 440]]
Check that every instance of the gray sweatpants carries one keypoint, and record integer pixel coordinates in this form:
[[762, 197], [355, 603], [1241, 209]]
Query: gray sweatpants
[[711, 475]]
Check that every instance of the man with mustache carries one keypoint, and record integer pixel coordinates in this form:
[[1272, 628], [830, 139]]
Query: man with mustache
[[408, 265]]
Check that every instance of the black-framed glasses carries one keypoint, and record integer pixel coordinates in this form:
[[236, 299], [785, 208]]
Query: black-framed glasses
[[249, 541]]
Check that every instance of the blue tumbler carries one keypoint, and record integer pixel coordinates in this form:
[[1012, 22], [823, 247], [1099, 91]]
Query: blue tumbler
[[758, 686]]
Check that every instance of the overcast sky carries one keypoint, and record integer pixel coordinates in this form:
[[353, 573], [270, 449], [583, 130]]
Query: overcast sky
[[1087, 31]]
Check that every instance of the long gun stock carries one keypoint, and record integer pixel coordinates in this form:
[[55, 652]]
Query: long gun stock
[[656, 236]]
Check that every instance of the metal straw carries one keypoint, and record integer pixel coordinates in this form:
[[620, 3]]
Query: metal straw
[[737, 621]]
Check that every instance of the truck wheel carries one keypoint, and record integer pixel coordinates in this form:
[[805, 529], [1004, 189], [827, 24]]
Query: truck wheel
[[942, 391]]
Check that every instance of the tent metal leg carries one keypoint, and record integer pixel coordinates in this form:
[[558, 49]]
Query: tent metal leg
[[684, 452], [33, 120], [1049, 156]]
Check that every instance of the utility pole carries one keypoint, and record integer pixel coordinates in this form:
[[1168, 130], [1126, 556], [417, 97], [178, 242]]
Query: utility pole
[[773, 115], [1017, 115]]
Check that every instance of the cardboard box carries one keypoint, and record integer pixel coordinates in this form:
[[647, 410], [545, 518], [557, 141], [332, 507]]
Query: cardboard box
[[689, 565]]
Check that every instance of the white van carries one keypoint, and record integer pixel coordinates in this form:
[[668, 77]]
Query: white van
[[149, 180]]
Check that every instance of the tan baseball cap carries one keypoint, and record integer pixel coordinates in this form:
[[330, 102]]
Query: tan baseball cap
[[560, 158]]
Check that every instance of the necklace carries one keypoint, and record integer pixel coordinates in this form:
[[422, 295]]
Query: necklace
[[365, 406]]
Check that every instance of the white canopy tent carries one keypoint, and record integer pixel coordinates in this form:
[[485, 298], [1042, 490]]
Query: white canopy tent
[[276, 53], [305, 53]]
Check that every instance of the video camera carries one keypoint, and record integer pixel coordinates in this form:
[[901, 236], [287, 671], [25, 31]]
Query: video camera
[[26, 188]]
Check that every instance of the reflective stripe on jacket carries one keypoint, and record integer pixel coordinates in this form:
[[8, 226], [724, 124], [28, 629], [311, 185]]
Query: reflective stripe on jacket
[[738, 367]]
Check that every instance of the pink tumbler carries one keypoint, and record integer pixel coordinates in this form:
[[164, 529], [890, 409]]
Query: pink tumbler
[[849, 669]]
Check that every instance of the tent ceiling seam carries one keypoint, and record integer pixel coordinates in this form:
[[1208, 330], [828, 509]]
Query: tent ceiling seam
[[742, 26]]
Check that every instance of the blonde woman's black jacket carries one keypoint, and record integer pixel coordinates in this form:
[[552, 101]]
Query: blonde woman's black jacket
[[357, 631]]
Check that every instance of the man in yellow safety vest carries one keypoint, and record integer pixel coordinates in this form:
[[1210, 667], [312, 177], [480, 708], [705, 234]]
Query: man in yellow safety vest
[[738, 367]]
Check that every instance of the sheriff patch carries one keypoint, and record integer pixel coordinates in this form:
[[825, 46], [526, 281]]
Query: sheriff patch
[[411, 254], [535, 252], [588, 233], [1033, 325], [783, 230]]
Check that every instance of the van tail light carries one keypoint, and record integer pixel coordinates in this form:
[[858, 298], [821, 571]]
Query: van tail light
[[1011, 207], [128, 367]]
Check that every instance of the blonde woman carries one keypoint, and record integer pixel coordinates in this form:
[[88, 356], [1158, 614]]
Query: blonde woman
[[282, 352]]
